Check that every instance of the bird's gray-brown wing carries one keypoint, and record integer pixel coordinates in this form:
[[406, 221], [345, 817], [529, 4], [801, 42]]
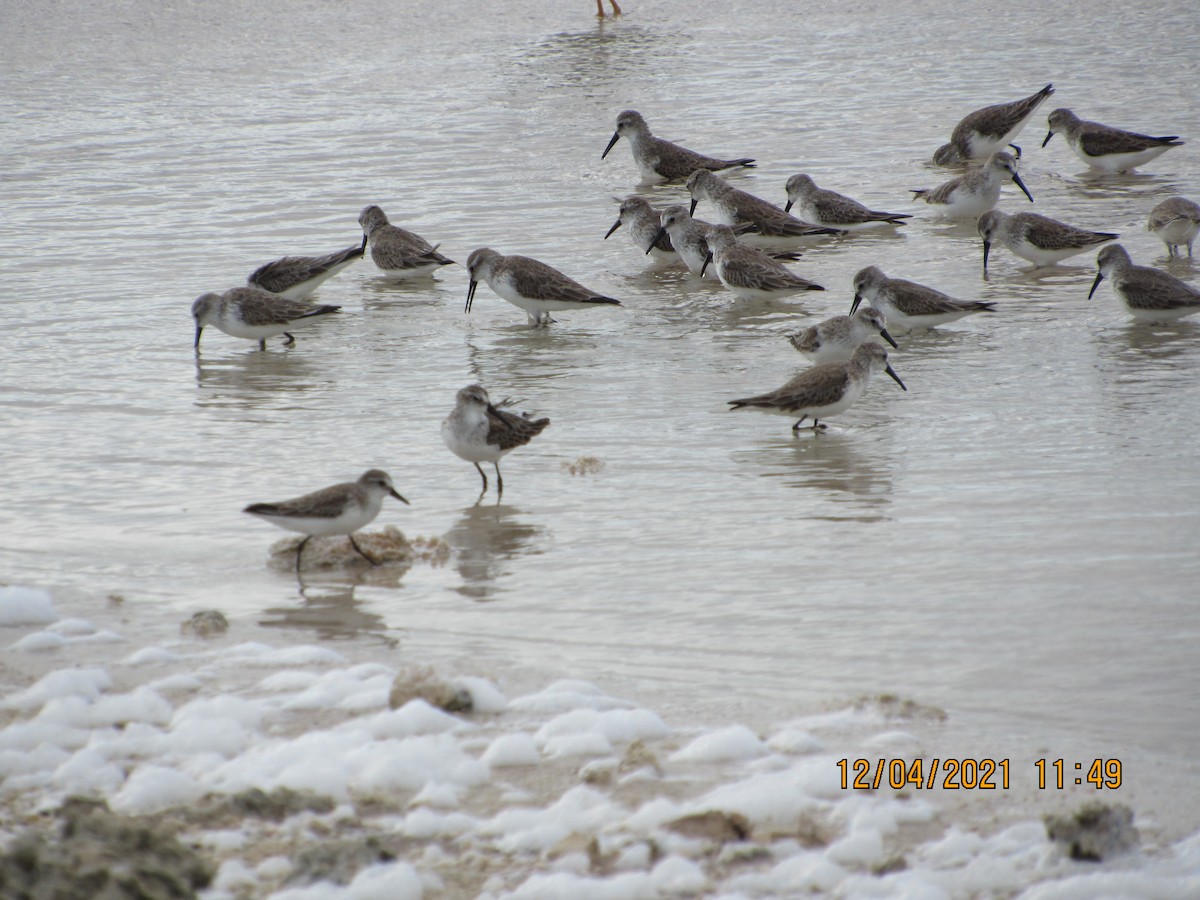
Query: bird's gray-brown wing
[[1172, 210], [259, 307], [918, 300], [768, 219], [751, 269], [821, 385], [679, 162], [507, 430], [996, 121], [835, 207], [1053, 235], [393, 247], [1099, 140], [806, 341], [1149, 288], [284, 273], [939, 194], [327, 503], [538, 281]]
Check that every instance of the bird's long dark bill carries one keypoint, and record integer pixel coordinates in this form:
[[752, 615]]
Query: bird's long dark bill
[[1021, 185], [987, 246], [471, 293], [200, 328], [616, 137], [895, 377], [707, 260], [658, 236], [883, 333], [616, 225], [854, 305], [1096, 284], [692, 208], [787, 207], [392, 491], [1049, 134]]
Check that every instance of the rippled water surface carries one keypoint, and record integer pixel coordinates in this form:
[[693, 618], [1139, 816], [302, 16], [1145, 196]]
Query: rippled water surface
[[1013, 540]]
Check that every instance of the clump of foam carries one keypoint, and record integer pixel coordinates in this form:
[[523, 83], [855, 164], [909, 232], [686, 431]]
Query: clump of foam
[[20, 605]]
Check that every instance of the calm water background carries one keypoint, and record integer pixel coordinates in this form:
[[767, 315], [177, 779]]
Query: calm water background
[[1014, 540]]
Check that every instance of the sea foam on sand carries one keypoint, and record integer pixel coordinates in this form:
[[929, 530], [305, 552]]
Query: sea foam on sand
[[288, 768]]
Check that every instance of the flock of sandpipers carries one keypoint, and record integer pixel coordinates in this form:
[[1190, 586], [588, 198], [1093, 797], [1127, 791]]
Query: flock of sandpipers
[[748, 248]]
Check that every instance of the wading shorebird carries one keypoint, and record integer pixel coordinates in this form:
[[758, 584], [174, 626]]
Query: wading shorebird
[[480, 431], [1106, 149], [660, 160]]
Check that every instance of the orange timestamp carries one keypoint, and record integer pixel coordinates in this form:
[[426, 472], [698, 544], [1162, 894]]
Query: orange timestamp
[[969, 774]]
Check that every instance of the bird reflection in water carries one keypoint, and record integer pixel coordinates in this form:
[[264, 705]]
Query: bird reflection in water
[[256, 380], [332, 612], [483, 540]]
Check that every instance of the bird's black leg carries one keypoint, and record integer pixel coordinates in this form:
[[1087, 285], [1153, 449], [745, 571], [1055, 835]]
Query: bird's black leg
[[300, 552], [262, 345], [484, 477], [354, 544], [290, 339], [499, 482]]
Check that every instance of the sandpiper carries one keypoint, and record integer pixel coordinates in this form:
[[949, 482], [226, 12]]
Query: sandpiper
[[295, 277], [644, 224], [660, 160], [907, 305], [254, 314], [824, 390], [1041, 240], [1149, 294], [1104, 148], [1176, 222], [972, 194], [480, 431], [399, 253], [689, 237], [531, 285], [771, 225], [836, 338], [341, 509], [750, 273], [983, 132], [834, 210]]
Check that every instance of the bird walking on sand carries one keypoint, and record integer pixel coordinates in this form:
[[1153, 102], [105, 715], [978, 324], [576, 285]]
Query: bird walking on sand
[[983, 132], [398, 252], [480, 431], [529, 284], [254, 314], [340, 509], [296, 277], [1148, 294], [659, 160], [1176, 222], [1106, 149], [825, 390], [1041, 240]]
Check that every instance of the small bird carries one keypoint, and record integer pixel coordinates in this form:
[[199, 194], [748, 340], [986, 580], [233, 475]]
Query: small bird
[[1148, 294], [1106, 149], [834, 210], [1041, 240], [983, 132], [1176, 221], [836, 338], [750, 273], [479, 431], [689, 237], [907, 305], [295, 277], [771, 225], [396, 251], [530, 285], [341, 509], [645, 229], [824, 390], [970, 195], [660, 160], [254, 314]]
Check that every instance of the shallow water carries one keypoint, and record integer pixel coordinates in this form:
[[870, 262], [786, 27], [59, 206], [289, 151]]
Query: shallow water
[[1013, 540]]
